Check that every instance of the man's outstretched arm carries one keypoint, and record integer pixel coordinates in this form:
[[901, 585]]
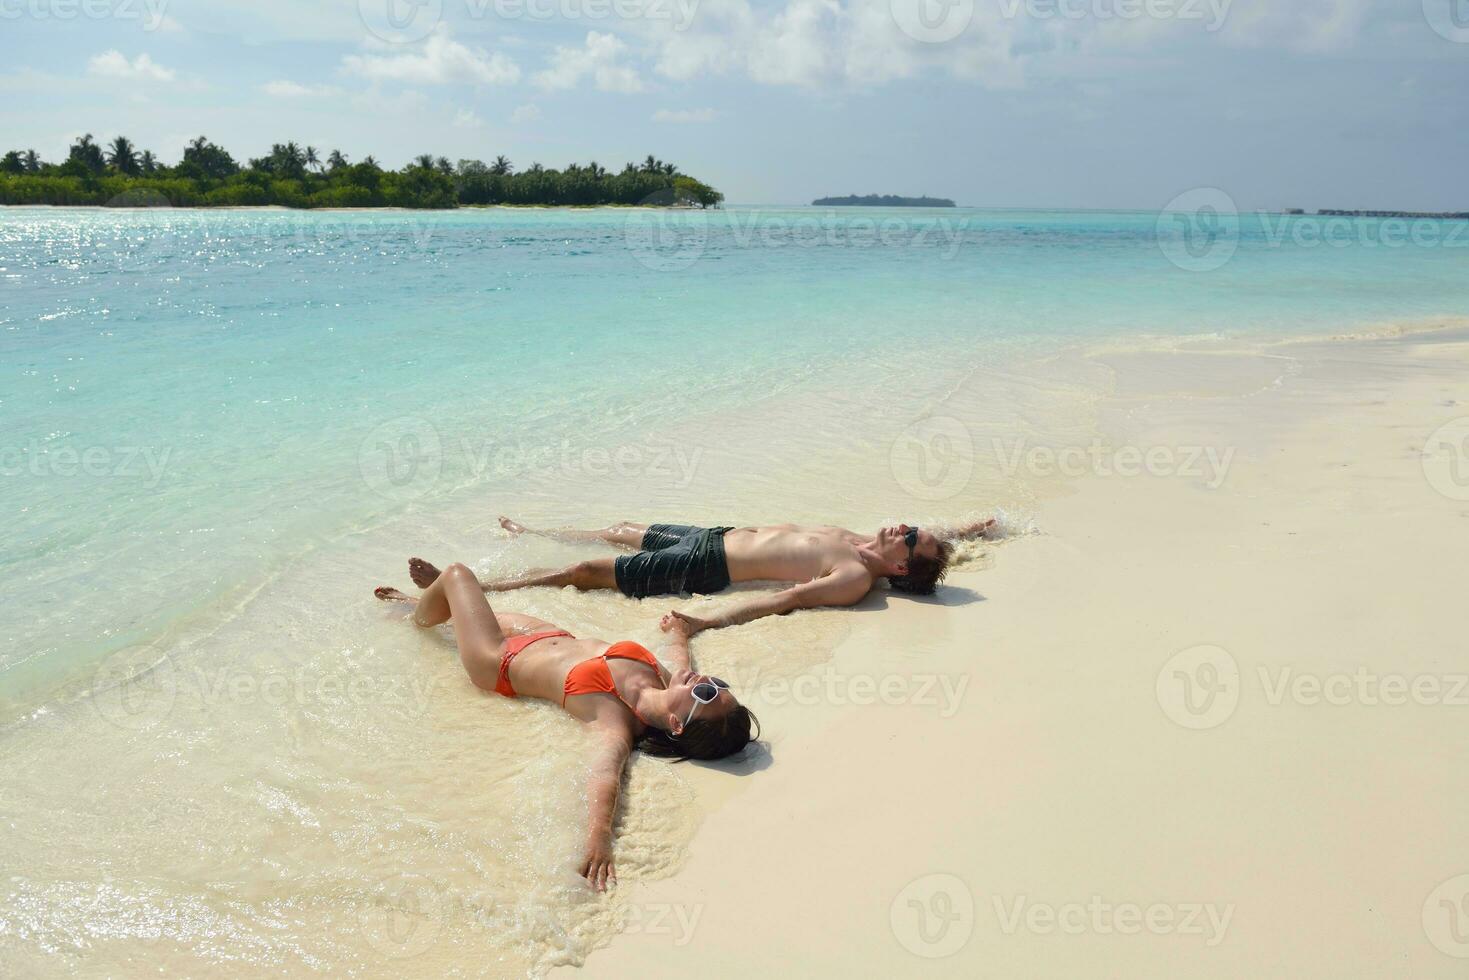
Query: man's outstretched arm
[[984, 528], [679, 629], [843, 587]]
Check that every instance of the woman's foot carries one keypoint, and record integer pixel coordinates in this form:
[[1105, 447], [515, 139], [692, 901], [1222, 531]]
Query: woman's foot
[[389, 594], [514, 527], [422, 573]]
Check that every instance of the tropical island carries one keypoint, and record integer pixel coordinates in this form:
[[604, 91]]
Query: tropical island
[[294, 176], [882, 201], [1435, 215]]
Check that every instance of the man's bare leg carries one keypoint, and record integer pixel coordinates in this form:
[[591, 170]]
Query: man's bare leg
[[599, 573], [624, 533]]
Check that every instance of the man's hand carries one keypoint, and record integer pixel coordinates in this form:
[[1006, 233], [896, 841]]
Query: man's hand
[[681, 625], [987, 528], [597, 868]]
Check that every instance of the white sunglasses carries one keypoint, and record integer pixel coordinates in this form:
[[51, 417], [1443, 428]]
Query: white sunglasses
[[705, 692]]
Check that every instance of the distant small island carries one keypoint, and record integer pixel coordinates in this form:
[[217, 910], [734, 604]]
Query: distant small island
[[1331, 213], [882, 201]]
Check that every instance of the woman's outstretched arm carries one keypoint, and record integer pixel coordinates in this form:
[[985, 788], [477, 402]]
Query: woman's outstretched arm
[[614, 745]]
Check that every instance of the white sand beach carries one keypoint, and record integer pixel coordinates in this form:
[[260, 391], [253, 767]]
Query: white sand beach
[[1191, 727]]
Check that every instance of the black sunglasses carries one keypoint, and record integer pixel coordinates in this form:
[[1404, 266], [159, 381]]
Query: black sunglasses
[[911, 540]]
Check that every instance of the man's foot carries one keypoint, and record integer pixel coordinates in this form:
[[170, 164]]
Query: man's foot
[[389, 594], [514, 527], [422, 573]]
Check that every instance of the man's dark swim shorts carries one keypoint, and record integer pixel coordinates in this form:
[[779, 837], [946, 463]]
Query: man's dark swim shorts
[[676, 560]]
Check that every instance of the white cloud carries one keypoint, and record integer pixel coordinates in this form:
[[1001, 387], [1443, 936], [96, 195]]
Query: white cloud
[[817, 43], [684, 115], [114, 64], [467, 119], [439, 60], [526, 113], [1305, 25], [600, 57], [285, 89]]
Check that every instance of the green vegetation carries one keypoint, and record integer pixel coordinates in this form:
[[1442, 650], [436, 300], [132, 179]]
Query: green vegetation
[[118, 175], [882, 201]]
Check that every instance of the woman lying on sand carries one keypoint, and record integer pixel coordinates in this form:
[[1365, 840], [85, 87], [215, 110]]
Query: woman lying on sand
[[620, 689]]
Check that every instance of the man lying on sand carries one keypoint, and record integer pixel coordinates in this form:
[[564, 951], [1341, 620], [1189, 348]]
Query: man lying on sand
[[831, 566]]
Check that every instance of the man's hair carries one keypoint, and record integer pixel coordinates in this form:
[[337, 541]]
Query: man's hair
[[704, 737], [924, 573]]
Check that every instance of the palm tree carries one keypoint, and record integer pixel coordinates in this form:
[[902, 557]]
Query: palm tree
[[88, 154], [32, 162], [312, 160], [370, 161], [501, 167], [536, 168], [670, 170], [424, 162], [652, 165], [444, 167], [149, 162], [285, 160], [336, 160], [596, 171]]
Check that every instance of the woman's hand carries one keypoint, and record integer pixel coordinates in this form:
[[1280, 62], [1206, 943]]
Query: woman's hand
[[597, 868], [680, 625]]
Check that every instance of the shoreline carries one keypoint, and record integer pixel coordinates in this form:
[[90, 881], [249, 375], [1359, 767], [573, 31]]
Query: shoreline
[[217, 610], [1072, 769], [1017, 690]]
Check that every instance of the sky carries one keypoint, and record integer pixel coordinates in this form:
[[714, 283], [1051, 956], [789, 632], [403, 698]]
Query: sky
[[994, 103]]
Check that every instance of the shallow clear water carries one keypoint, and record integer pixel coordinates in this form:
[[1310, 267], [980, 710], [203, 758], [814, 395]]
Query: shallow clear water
[[218, 430]]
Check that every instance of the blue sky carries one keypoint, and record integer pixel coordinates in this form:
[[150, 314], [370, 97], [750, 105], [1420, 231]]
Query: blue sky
[[1003, 103]]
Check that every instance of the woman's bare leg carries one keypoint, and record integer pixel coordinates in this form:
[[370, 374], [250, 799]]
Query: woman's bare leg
[[457, 595]]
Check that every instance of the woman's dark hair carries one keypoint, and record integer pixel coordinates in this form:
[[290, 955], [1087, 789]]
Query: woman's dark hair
[[704, 737], [924, 573]]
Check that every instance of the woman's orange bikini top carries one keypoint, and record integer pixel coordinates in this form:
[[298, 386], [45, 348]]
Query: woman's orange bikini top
[[595, 677]]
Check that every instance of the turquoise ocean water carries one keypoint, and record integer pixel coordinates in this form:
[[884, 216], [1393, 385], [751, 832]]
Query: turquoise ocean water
[[190, 400], [219, 430]]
